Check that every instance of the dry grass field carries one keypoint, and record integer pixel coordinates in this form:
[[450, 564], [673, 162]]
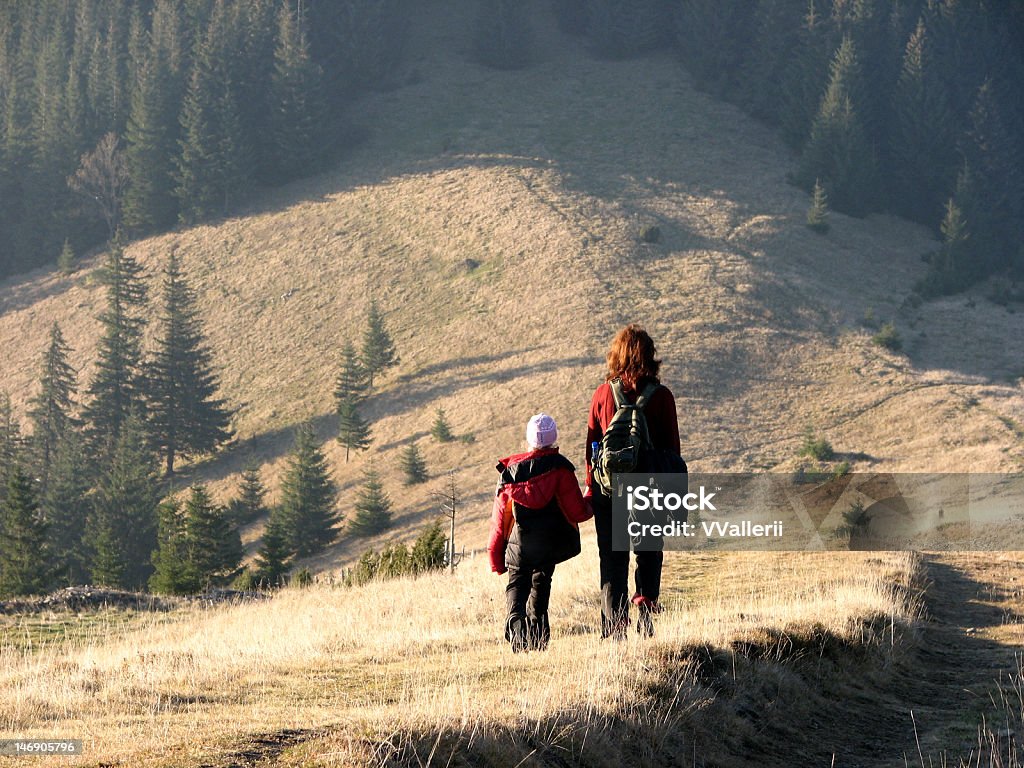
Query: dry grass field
[[337, 676], [496, 217], [759, 659]]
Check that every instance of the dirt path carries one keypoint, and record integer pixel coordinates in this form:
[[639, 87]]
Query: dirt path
[[926, 708]]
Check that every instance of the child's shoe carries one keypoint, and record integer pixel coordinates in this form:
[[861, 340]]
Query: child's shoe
[[539, 633], [515, 633]]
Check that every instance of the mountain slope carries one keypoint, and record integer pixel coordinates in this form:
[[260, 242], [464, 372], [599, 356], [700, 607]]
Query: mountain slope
[[496, 217]]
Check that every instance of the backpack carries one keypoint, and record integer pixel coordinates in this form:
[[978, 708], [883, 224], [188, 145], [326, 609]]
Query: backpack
[[625, 439]]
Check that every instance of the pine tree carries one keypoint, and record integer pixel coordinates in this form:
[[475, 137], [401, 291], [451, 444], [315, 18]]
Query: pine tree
[[441, 430], [184, 416], [24, 566], [66, 259], [51, 408], [121, 532], [116, 386], [213, 162], [817, 215], [378, 353], [297, 111], [776, 25], [349, 392], [65, 505], [923, 146], [994, 202], [53, 155], [149, 200], [804, 79], [353, 430], [308, 497], [712, 36], [10, 442], [352, 382], [373, 507], [838, 151], [274, 558], [212, 545], [430, 549], [413, 466], [249, 505], [954, 238], [170, 557]]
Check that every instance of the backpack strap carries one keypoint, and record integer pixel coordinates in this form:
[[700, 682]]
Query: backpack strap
[[647, 394], [618, 394]]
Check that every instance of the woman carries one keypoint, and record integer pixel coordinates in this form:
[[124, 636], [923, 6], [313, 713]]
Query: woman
[[632, 361]]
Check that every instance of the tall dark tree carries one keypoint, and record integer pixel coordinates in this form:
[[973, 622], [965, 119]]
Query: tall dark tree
[[995, 158], [53, 157], [213, 164], [274, 559], [923, 142], [170, 564], [373, 507], [296, 102], [349, 393], [149, 199], [121, 532], [308, 497], [776, 30], [213, 548], [804, 79], [184, 416], [378, 352], [10, 442], [838, 152], [712, 36], [116, 387], [24, 565], [65, 504], [51, 409]]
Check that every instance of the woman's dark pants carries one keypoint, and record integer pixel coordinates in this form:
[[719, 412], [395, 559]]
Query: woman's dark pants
[[615, 572]]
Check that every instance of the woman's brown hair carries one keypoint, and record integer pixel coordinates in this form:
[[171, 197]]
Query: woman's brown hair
[[631, 356]]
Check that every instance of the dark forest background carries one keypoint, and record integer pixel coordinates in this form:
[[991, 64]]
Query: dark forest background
[[908, 106]]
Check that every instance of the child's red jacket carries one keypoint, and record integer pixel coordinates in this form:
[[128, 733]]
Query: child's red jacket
[[537, 510]]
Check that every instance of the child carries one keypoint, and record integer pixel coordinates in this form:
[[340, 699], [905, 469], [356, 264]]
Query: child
[[535, 525]]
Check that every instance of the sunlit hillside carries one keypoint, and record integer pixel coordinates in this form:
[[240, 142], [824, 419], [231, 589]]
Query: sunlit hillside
[[497, 218]]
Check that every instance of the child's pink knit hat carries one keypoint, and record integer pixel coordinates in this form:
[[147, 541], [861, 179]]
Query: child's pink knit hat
[[541, 431]]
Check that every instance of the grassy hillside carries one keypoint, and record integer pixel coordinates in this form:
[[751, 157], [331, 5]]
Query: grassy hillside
[[760, 660], [394, 671], [496, 217]]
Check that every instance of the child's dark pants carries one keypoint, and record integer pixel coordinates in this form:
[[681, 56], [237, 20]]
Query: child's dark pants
[[527, 596]]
